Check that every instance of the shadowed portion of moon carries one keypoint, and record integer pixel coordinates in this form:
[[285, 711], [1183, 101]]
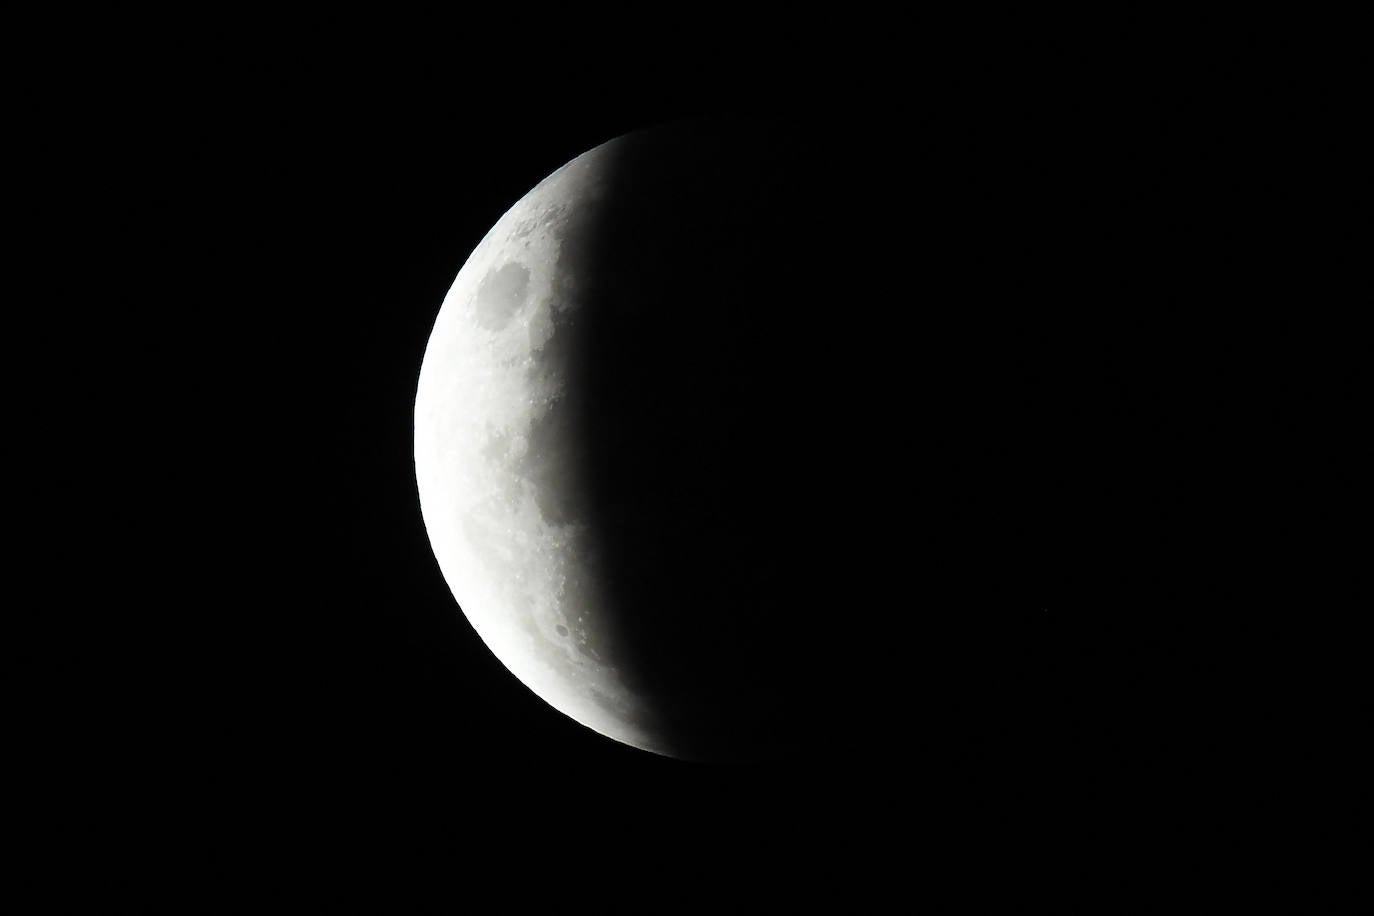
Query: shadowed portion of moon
[[703, 403]]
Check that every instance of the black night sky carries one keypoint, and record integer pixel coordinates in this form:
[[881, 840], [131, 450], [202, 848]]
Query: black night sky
[[1011, 301]]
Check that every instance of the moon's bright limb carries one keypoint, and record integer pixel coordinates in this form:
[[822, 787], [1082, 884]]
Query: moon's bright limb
[[494, 451]]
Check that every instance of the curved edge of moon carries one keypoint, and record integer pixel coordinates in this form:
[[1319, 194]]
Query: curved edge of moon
[[494, 448]]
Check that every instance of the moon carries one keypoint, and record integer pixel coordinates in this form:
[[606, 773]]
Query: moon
[[751, 442], [628, 446], [495, 446]]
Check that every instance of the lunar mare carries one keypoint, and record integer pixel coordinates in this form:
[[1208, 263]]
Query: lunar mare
[[495, 449]]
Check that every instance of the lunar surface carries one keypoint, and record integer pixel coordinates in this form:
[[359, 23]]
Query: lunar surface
[[633, 449], [495, 445]]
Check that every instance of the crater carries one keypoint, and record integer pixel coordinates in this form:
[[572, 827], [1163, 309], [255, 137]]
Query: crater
[[501, 294], [562, 630]]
